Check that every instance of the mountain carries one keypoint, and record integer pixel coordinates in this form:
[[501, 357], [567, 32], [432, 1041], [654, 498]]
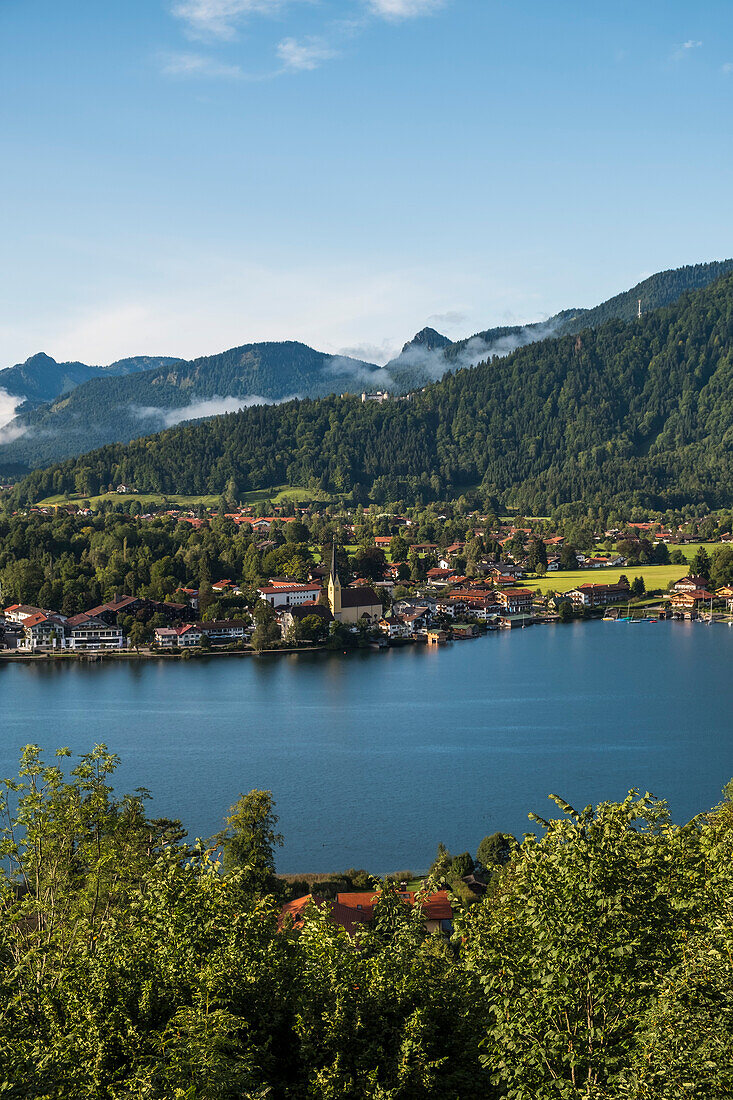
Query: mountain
[[129, 399], [427, 338], [104, 410], [41, 379], [422, 361], [636, 413]]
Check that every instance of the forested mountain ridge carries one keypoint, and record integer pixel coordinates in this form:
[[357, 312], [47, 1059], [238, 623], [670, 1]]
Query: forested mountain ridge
[[629, 413], [425, 358], [41, 379], [119, 409], [90, 407]]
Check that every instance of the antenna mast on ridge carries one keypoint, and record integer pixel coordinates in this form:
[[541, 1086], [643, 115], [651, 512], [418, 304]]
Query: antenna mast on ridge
[[639, 314]]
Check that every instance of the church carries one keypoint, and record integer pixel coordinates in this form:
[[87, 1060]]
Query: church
[[348, 605]]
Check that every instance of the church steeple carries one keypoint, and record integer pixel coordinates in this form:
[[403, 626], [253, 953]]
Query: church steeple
[[334, 586]]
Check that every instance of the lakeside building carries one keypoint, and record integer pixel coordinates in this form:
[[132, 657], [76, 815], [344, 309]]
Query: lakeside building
[[348, 605], [513, 601], [597, 595], [289, 593]]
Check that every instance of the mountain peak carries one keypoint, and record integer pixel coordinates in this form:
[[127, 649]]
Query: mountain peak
[[428, 338], [40, 359]]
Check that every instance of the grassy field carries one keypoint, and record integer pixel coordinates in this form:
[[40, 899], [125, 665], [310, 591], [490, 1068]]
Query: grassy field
[[655, 576], [278, 494]]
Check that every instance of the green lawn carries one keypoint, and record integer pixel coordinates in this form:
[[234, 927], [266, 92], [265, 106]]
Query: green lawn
[[655, 576], [278, 494]]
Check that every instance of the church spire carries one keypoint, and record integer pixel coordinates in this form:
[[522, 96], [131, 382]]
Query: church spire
[[334, 586]]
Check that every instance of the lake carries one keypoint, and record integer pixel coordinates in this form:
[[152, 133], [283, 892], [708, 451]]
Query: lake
[[375, 757]]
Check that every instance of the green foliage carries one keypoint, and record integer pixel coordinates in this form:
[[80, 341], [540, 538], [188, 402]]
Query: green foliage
[[249, 840], [598, 966], [496, 850]]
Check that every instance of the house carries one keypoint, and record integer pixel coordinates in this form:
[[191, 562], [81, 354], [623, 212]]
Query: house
[[353, 910], [689, 584], [416, 621], [441, 578], [464, 630], [597, 595], [19, 612], [394, 627], [436, 636], [184, 637], [379, 396], [123, 605], [223, 630], [689, 602], [382, 541], [515, 600], [349, 605], [290, 593], [86, 631], [44, 631]]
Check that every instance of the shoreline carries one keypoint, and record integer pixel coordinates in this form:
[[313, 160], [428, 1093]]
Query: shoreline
[[101, 656]]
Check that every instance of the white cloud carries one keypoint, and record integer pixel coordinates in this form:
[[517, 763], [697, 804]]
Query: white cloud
[[192, 64], [304, 55], [728, 67], [219, 18], [404, 9], [197, 410], [9, 404], [379, 353], [684, 48]]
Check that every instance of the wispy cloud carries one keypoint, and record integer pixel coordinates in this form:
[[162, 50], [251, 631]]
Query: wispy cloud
[[371, 353], [219, 18], [9, 404], [304, 55], [684, 48], [451, 317], [403, 9], [194, 64], [198, 410], [727, 67]]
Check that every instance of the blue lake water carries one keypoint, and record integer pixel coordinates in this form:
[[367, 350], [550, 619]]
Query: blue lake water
[[374, 757]]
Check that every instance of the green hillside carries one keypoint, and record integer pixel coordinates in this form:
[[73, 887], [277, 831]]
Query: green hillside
[[118, 409], [41, 379], [422, 361], [637, 413]]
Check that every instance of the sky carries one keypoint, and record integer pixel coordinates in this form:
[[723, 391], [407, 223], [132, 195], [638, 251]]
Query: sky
[[183, 176]]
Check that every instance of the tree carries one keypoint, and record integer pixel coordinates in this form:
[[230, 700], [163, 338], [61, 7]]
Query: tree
[[537, 554], [250, 838], [567, 946], [370, 562], [496, 850], [462, 865], [638, 588], [701, 564], [139, 635], [568, 559]]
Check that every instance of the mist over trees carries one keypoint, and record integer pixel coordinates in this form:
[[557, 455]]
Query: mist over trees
[[634, 414]]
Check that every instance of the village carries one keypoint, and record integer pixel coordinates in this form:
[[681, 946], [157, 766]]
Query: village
[[413, 591]]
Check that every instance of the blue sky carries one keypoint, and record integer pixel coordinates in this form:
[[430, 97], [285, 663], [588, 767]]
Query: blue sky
[[181, 176]]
